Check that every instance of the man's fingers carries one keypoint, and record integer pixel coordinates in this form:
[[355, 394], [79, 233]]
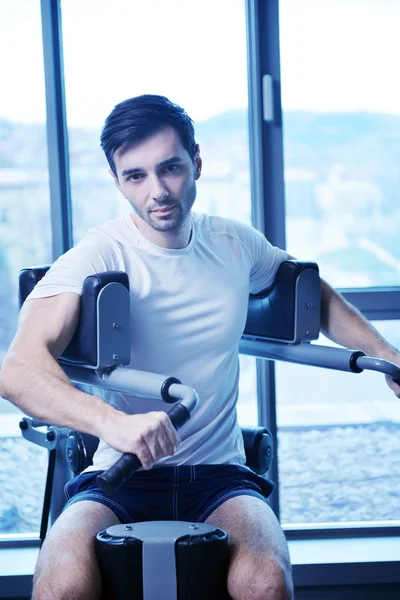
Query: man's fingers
[[394, 386], [144, 454], [158, 441]]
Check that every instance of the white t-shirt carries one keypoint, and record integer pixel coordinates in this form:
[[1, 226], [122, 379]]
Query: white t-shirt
[[188, 312]]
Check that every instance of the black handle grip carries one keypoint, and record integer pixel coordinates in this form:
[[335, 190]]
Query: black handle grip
[[27, 422], [111, 480], [115, 476]]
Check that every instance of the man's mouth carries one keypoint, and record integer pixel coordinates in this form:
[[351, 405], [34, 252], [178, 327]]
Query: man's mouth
[[164, 210]]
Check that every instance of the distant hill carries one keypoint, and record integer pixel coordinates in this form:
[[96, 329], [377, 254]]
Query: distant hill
[[311, 140]]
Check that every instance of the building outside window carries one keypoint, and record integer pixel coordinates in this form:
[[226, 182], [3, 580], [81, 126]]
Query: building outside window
[[341, 123], [25, 238]]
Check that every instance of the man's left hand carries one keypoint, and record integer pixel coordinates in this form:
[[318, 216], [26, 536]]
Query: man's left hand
[[394, 385]]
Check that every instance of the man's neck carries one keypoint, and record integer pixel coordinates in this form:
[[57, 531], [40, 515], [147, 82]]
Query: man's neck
[[173, 240]]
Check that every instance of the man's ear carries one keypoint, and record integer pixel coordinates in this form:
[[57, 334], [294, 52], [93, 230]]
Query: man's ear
[[197, 161]]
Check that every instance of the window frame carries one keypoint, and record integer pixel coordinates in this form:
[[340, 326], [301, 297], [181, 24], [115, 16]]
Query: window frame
[[267, 179], [267, 195]]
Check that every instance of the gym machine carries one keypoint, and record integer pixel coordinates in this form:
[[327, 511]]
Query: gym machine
[[190, 559]]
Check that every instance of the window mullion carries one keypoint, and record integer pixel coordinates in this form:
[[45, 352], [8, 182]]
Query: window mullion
[[57, 134]]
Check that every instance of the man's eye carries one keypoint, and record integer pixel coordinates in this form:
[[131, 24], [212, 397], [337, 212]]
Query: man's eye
[[135, 176], [171, 168]]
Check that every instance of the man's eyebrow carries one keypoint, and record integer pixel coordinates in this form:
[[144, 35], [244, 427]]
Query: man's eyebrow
[[169, 161], [164, 163]]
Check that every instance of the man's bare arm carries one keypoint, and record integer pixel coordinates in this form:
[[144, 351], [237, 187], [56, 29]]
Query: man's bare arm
[[344, 324], [32, 380]]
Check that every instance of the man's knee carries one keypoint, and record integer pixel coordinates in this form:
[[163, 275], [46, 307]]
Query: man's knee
[[67, 567], [52, 586], [268, 579]]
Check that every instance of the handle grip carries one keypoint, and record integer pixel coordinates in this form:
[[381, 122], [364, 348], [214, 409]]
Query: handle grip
[[115, 476], [27, 422]]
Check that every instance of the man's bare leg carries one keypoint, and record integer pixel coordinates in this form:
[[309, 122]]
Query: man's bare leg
[[260, 564], [67, 568]]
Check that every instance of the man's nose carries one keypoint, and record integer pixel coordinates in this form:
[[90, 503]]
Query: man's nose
[[159, 190]]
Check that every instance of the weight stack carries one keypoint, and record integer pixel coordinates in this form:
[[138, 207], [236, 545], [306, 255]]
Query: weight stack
[[163, 560]]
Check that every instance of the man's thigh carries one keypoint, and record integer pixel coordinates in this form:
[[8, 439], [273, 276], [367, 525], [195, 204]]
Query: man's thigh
[[69, 550], [259, 552]]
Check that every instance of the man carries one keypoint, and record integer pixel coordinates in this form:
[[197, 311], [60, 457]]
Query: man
[[190, 276]]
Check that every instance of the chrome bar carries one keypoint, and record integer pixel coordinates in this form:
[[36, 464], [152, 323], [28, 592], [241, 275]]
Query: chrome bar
[[314, 355], [370, 363]]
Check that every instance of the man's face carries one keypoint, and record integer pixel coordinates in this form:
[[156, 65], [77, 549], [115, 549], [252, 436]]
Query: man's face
[[158, 178]]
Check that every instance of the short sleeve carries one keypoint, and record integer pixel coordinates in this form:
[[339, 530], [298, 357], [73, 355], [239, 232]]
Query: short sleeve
[[94, 254], [266, 259]]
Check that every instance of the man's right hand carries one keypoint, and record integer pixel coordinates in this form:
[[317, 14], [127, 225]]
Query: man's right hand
[[149, 436]]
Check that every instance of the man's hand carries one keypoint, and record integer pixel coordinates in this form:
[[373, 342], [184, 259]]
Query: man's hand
[[392, 355], [150, 436], [395, 387]]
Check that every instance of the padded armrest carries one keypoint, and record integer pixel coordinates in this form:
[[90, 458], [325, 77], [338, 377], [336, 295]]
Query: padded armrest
[[28, 278], [83, 348], [288, 311]]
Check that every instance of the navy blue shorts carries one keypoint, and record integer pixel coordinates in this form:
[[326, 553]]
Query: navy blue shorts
[[184, 493]]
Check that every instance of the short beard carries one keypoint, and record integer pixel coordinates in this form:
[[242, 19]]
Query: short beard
[[178, 219], [172, 223]]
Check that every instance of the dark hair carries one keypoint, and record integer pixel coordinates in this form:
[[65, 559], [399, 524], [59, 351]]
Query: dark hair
[[135, 119]]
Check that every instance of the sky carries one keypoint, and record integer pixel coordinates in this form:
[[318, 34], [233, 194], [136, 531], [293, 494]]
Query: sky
[[335, 55]]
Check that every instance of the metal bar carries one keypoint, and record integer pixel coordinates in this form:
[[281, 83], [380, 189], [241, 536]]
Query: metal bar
[[122, 379], [187, 396], [267, 418], [57, 134], [313, 355], [370, 363], [132, 381]]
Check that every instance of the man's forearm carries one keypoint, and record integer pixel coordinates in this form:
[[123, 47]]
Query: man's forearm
[[40, 388], [344, 324]]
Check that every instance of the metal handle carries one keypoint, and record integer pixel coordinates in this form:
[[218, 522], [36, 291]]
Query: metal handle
[[371, 363], [114, 477]]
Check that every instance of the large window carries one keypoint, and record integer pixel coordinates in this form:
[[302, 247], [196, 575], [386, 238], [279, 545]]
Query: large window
[[339, 433], [340, 123], [341, 104], [169, 48], [25, 237], [339, 443]]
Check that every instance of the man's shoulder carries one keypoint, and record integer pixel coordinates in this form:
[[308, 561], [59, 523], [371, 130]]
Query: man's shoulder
[[224, 226], [114, 231]]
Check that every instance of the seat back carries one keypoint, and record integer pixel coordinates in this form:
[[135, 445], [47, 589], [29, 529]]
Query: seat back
[[258, 445]]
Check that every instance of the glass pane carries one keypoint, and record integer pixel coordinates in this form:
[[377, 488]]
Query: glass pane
[[174, 65], [208, 79], [341, 104], [24, 237], [339, 443]]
